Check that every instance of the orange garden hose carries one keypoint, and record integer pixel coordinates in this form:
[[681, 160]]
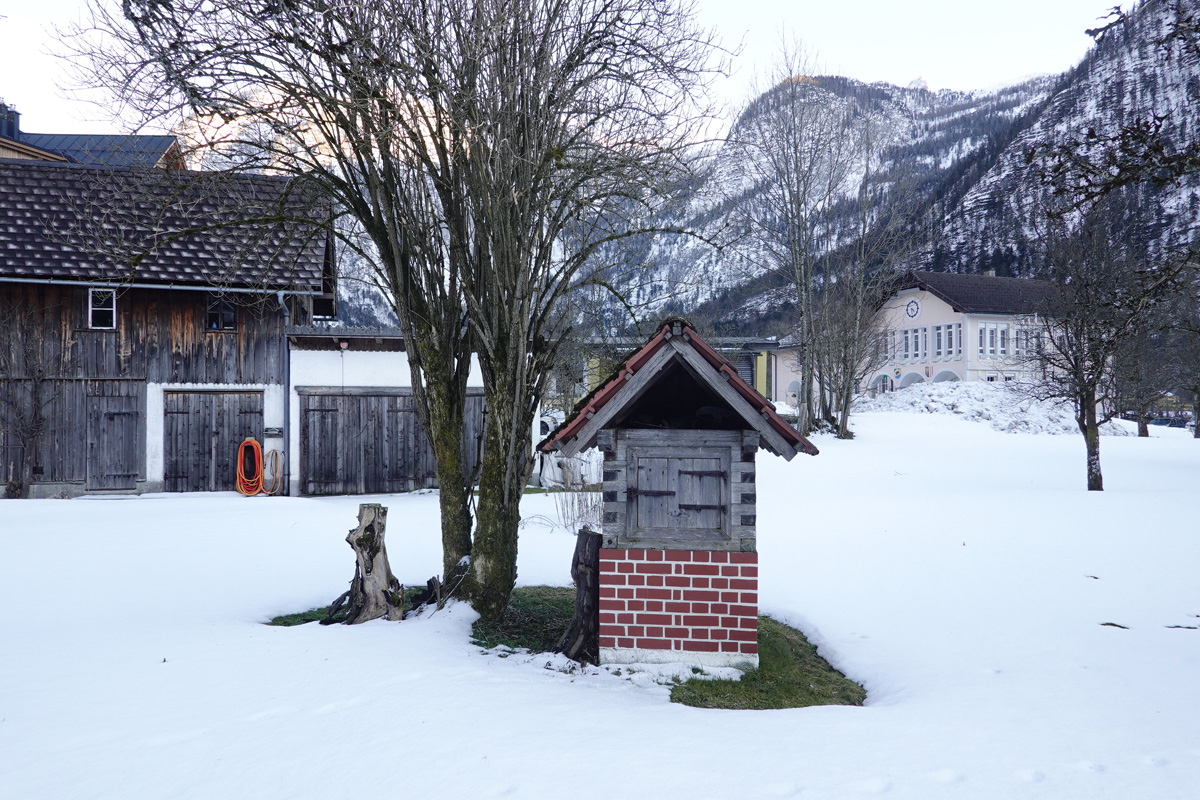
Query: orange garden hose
[[255, 483], [252, 485]]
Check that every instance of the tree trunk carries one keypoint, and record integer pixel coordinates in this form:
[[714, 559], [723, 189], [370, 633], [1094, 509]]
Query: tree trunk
[[374, 592], [507, 464], [582, 641], [1143, 422], [446, 423], [497, 519], [1091, 437]]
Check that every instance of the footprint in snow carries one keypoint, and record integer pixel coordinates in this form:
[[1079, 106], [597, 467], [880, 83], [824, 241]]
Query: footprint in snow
[[1090, 766], [1029, 776], [947, 776], [871, 786]]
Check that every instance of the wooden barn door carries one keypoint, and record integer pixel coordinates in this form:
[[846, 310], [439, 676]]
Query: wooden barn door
[[371, 442], [201, 435], [113, 445]]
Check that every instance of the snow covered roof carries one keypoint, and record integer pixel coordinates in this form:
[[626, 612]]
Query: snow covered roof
[[982, 294], [675, 343]]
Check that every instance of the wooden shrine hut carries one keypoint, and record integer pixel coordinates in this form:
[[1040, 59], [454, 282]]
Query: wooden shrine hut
[[678, 574]]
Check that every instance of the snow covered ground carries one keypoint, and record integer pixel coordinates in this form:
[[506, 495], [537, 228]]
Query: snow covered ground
[[960, 573]]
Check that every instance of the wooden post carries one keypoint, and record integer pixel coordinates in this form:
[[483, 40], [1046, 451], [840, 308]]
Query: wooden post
[[582, 641], [374, 592]]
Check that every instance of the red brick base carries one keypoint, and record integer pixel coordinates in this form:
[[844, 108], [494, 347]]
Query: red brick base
[[702, 604]]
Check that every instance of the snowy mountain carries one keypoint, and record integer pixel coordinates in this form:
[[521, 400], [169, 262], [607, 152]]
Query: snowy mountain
[[958, 158]]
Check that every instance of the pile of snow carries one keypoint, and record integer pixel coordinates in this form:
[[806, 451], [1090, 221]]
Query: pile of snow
[[1009, 408]]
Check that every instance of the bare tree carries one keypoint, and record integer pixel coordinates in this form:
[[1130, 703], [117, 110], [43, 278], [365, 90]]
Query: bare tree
[[463, 138], [846, 331], [794, 143], [1106, 290], [1143, 368]]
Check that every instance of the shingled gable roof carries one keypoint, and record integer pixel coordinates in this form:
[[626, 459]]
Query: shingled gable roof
[[107, 150], [982, 294], [675, 341], [154, 227]]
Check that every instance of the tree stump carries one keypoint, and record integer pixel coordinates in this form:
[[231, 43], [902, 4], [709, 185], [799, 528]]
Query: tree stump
[[374, 592], [582, 641]]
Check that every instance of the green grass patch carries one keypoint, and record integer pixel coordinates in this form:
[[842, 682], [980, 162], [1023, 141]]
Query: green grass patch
[[536, 618], [790, 674], [312, 615]]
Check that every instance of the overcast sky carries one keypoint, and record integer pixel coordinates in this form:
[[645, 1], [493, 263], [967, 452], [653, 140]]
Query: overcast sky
[[955, 44]]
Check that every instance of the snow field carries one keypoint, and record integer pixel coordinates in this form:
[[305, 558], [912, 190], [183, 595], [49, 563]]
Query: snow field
[[961, 574]]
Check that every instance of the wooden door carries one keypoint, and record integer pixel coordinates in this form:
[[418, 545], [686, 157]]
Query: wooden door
[[113, 446], [678, 492], [202, 432], [372, 443]]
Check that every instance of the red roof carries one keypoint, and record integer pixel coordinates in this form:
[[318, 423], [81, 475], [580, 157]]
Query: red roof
[[619, 380]]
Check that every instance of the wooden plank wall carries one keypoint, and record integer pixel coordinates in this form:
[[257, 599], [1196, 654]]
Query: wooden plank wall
[[92, 430], [160, 337], [371, 441]]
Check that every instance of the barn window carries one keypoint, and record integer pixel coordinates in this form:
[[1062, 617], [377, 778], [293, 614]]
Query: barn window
[[102, 309], [222, 315]]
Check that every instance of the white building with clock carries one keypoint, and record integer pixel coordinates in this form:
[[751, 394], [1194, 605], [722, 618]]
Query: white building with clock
[[949, 327]]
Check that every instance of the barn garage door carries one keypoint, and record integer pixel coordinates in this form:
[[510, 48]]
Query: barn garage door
[[201, 435], [370, 442]]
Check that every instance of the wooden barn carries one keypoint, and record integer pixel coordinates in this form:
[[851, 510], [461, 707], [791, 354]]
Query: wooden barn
[[149, 350], [146, 330], [678, 565]]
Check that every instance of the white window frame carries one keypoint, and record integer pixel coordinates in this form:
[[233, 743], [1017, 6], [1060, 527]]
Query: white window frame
[[93, 307]]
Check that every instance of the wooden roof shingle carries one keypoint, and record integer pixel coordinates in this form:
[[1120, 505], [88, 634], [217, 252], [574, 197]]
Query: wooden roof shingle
[[72, 222]]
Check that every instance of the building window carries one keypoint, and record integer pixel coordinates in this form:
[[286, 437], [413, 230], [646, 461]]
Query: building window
[[222, 315], [102, 309], [1004, 340], [906, 344], [937, 341]]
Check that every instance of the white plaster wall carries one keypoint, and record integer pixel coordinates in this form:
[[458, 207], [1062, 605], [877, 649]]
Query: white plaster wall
[[933, 311], [968, 366], [273, 395], [345, 369]]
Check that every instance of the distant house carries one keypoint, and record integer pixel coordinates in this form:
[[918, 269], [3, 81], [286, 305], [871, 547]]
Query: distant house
[[940, 327], [948, 327], [106, 150], [752, 357]]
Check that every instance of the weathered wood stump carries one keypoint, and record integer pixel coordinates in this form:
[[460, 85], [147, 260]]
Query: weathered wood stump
[[374, 592], [582, 641]]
